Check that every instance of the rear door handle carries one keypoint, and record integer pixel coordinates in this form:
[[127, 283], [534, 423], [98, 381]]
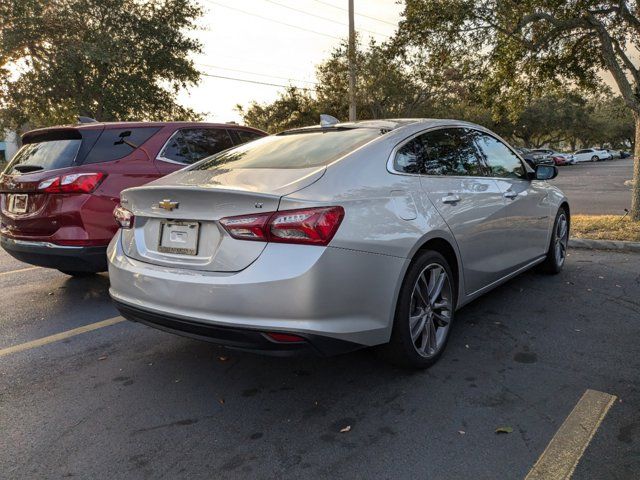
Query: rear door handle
[[510, 194], [450, 198]]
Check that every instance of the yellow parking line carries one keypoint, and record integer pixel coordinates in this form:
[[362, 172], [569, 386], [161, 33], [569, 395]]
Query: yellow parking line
[[18, 271], [560, 458], [59, 336]]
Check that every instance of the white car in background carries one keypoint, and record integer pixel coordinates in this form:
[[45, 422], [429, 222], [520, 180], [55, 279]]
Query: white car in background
[[591, 155]]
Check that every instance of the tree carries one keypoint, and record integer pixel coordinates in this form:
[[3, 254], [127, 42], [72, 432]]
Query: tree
[[293, 108], [386, 87], [528, 45], [106, 59], [613, 122], [546, 120]]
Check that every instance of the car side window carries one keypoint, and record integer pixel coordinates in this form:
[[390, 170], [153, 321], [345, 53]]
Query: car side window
[[245, 136], [192, 144], [406, 159], [502, 162], [176, 149], [116, 143], [447, 151], [206, 141]]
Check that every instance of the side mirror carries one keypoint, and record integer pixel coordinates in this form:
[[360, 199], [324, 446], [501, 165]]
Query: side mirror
[[546, 172]]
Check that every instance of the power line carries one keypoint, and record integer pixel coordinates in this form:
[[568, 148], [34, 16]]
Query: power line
[[256, 73], [255, 81], [251, 60], [358, 14], [273, 20], [325, 18]]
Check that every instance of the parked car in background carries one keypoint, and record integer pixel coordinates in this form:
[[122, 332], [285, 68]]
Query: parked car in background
[[613, 153], [560, 160], [558, 157], [60, 189], [337, 237], [591, 155], [624, 154], [534, 159]]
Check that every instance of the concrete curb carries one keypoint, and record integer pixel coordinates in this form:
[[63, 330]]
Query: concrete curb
[[616, 245]]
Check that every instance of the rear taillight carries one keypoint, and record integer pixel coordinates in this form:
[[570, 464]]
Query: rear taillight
[[123, 216], [310, 226], [72, 183]]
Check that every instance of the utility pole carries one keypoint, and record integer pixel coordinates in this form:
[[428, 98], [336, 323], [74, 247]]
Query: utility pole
[[352, 64]]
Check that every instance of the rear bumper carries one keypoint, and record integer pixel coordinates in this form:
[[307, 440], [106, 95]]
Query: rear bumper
[[237, 338], [49, 255], [309, 291]]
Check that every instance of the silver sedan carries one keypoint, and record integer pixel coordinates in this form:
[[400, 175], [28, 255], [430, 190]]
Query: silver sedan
[[338, 237]]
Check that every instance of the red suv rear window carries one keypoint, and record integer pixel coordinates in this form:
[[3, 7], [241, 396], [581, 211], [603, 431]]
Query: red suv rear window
[[45, 155]]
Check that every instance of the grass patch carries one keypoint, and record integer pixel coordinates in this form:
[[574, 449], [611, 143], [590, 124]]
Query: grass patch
[[605, 227]]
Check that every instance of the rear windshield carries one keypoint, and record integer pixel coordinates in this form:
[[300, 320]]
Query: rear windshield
[[49, 155], [296, 150]]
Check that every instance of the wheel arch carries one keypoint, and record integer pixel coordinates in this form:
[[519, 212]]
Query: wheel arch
[[565, 204], [448, 249]]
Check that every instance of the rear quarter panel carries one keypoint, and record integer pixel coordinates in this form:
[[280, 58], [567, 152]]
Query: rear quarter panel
[[385, 213]]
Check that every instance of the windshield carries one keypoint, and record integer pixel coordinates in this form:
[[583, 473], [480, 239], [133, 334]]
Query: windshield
[[45, 156], [297, 150]]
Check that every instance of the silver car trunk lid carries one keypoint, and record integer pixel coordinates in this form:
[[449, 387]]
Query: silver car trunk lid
[[189, 204]]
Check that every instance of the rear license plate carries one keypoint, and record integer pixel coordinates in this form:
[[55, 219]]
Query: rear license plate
[[17, 203], [179, 237]]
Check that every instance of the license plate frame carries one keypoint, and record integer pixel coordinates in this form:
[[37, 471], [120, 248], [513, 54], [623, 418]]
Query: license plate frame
[[171, 237], [17, 203]]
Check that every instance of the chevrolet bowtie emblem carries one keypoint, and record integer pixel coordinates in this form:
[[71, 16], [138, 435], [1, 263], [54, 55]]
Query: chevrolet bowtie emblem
[[168, 204]]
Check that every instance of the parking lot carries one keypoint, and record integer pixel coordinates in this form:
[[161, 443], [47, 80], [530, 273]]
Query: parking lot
[[597, 188], [127, 401]]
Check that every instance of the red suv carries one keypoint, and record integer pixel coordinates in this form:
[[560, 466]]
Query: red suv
[[60, 189]]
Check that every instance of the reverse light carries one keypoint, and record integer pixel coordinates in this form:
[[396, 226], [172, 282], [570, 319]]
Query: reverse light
[[73, 183], [123, 217], [310, 226]]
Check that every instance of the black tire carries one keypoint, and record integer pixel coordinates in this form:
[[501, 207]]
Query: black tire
[[401, 349], [556, 257], [77, 273], [595, 158]]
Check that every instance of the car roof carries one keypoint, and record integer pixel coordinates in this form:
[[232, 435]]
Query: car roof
[[388, 124], [114, 125]]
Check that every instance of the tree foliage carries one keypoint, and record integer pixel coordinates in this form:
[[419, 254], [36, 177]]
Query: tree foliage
[[293, 108], [106, 59]]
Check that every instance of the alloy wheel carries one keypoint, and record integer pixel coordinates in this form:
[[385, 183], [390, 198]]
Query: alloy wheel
[[430, 311], [561, 238]]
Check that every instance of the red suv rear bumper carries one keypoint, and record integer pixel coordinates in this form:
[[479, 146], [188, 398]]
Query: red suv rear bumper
[[66, 258]]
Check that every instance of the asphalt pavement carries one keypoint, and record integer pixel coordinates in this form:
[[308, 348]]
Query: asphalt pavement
[[597, 188], [127, 401]]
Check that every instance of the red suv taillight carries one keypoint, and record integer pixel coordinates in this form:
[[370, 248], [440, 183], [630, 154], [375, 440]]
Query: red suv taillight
[[72, 183], [311, 226]]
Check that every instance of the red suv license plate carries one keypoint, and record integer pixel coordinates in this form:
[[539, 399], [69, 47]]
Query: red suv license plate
[[17, 203]]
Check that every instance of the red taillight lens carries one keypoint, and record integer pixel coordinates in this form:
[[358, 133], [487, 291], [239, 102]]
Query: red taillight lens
[[73, 183], [123, 216], [284, 337], [310, 226], [247, 227]]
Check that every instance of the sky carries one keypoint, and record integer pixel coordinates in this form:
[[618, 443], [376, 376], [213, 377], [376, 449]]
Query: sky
[[242, 39]]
